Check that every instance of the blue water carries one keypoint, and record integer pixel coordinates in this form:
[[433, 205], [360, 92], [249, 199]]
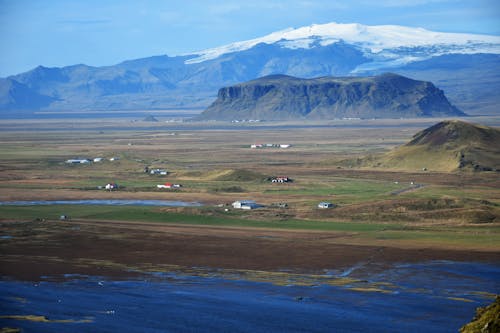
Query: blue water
[[427, 297], [101, 202]]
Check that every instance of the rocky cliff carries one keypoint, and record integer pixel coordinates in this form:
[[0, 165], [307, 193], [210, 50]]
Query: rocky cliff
[[281, 97]]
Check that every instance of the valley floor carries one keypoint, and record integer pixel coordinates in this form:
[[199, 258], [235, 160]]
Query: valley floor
[[381, 216], [399, 250]]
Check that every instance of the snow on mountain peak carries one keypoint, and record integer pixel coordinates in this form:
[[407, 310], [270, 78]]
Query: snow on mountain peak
[[378, 40]]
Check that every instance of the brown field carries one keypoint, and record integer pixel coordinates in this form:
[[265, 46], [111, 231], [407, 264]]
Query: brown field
[[130, 248], [453, 216]]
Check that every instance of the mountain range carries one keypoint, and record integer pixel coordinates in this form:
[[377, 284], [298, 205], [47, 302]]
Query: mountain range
[[465, 66], [281, 97]]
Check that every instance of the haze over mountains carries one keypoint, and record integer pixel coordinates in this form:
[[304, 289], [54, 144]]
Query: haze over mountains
[[465, 66]]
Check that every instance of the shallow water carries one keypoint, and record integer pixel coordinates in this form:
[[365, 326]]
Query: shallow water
[[427, 297], [102, 202]]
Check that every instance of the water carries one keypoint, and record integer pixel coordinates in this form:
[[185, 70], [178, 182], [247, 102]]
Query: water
[[102, 202], [427, 297]]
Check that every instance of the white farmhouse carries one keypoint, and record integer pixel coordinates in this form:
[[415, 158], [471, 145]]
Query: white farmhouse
[[77, 161], [325, 205], [111, 186], [245, 204]]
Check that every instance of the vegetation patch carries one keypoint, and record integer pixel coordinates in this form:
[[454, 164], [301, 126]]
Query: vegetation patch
[[230, 189], [241, 175], [433, 210], [44, 319], [479, 237], [486, 320]]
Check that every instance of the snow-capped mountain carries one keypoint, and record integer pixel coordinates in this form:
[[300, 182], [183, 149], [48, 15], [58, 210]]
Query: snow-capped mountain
[[465, 66], [388, 45]]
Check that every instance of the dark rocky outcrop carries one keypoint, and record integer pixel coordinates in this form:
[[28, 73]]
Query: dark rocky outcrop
[[487, 319], [281, 97]]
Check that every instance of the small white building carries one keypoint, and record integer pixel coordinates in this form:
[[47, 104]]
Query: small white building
[[245, 204], [161, 172], [325, 205], [77, 161], [285, 146], [169, 185], [111, 186]]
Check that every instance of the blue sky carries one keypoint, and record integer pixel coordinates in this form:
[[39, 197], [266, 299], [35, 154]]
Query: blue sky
[[99, 32]]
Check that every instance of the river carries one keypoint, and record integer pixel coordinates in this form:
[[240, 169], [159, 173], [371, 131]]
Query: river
[[437, 296], [118, 202]]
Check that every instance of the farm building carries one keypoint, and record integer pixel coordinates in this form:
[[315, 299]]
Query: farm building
[[270, 145], [169, 185], [325, 205], [245, 204], [281, 179], [78, 161], [161, 172], [111, 186]]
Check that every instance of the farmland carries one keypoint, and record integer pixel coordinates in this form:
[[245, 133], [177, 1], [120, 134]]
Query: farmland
[[448, 214]]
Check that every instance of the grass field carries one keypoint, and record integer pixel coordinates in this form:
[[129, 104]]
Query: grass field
[[217, 166], [478, 237]]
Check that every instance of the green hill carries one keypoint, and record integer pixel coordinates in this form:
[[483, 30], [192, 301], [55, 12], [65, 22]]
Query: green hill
[[446, 146], [239, 175]]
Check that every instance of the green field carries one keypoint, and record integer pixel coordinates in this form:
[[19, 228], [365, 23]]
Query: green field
[[467, 236]]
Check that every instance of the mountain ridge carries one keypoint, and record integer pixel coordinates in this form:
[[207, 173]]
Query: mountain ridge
[[374, 39], [171, 82]]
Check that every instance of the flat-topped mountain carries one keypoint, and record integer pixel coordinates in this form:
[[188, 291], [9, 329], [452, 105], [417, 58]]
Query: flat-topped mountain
[[281, 97], [447, 146]]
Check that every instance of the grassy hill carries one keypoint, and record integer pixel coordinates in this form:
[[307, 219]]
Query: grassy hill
[[446, 146]]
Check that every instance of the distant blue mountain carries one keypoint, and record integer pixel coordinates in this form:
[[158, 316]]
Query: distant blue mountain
[[466, 67]]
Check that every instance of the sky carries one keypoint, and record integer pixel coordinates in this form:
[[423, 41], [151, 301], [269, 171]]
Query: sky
[[57, 33]]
